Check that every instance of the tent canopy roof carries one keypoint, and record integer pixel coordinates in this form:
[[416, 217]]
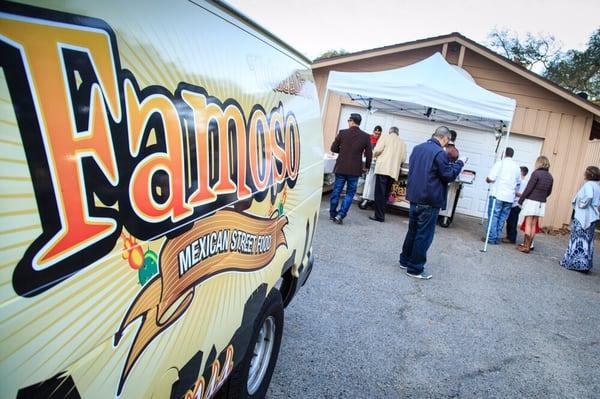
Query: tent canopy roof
[[432, 83]]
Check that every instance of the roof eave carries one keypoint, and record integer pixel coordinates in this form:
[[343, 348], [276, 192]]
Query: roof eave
[[361, 55], [527, 74], [473, 46]]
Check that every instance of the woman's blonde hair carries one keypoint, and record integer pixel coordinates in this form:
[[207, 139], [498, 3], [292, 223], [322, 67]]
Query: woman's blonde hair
[[542, 162]]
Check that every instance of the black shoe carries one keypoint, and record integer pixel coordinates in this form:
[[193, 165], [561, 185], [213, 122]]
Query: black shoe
[[338, 220], [402, 266], [331, 217], [375, 219]]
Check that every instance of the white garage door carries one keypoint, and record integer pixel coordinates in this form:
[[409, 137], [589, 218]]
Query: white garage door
[[477, 145]]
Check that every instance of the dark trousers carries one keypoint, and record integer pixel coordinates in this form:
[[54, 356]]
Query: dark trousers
[[512, 222], [421, 228], [383, 184]]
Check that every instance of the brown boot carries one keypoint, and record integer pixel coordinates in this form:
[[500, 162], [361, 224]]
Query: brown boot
[[524, 239], [525, 247]]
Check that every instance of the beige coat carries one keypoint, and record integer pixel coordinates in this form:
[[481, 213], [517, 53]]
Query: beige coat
[[390, 152]]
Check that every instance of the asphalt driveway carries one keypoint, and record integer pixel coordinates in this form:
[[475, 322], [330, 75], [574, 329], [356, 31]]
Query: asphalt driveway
[[495, 325]]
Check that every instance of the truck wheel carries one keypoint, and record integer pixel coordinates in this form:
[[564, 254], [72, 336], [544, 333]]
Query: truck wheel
[[252, 376], [444, 221]]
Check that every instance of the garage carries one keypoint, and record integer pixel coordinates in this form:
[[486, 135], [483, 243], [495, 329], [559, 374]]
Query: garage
[[477, 145], [547, 120]]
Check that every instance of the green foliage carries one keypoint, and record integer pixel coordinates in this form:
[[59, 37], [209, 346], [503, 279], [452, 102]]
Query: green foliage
[[528, 53], [330, 54], [577, 71]]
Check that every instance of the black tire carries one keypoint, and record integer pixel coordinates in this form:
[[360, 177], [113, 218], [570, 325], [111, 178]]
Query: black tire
[[238, 385], [444, 221]]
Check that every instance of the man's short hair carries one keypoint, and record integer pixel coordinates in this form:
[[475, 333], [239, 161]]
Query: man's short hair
[[378, 128], [394, 129], [524, 170], [453, 135], [442, 131], [509, 152], [356, 118]]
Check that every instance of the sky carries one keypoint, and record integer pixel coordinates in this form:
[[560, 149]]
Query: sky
[[315, 26]]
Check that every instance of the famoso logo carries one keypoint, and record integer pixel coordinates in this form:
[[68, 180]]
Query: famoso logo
[[105, 154]]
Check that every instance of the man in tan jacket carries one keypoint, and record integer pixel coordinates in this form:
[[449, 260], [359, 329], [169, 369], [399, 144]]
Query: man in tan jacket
[[390, 152]]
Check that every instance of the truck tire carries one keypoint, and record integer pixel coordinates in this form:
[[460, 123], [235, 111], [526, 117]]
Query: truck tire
[[252, 376]]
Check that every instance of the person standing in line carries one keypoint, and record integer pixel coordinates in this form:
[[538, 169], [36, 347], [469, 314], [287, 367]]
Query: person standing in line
[[533, 201], [351, 144], [429, 173], [580, 252], [513, 217], [450, 148], [389, 152], [376, 135], [506, 176]]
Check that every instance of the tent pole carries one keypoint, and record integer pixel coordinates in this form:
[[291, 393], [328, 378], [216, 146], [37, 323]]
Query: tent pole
[[487, 195], [489, 227]]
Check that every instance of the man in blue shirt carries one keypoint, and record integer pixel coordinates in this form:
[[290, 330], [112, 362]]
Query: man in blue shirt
[[429, 173]]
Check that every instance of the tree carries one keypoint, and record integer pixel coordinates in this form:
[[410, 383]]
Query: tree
[[331, 53], [577, 71], [529, 53]]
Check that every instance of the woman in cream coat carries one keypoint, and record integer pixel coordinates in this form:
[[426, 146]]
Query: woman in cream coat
[[390, 152]]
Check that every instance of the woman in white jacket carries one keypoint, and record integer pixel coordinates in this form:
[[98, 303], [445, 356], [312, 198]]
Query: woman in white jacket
[[586, 213]]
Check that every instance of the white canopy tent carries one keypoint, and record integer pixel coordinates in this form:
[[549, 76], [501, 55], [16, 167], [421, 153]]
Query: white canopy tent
[[431, 89]]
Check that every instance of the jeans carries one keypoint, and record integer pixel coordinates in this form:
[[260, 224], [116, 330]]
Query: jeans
[[421, 228], [340, 181], [496, 218], [383, 183], [511, 223]]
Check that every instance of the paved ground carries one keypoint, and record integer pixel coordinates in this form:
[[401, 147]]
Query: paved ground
[[494, 325]]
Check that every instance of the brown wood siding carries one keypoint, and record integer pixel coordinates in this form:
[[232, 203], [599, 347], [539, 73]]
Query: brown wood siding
[[320, 77], [564, 145], [331, 120], [564, 126], [592, 154]]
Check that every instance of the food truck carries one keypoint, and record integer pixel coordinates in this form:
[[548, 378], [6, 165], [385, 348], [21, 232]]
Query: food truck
[[161, 173]]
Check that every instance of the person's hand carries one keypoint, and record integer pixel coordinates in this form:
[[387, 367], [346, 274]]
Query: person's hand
[[365, 170], [463, 159]]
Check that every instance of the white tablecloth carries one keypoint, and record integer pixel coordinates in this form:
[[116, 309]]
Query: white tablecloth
[[369, 190], [329, 163]]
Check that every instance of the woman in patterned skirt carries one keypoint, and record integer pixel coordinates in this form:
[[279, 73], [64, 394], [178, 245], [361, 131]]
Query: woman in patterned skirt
[[585, 205]]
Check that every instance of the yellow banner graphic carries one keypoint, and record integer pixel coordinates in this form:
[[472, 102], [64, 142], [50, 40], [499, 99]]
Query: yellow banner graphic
[[226, 241]]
